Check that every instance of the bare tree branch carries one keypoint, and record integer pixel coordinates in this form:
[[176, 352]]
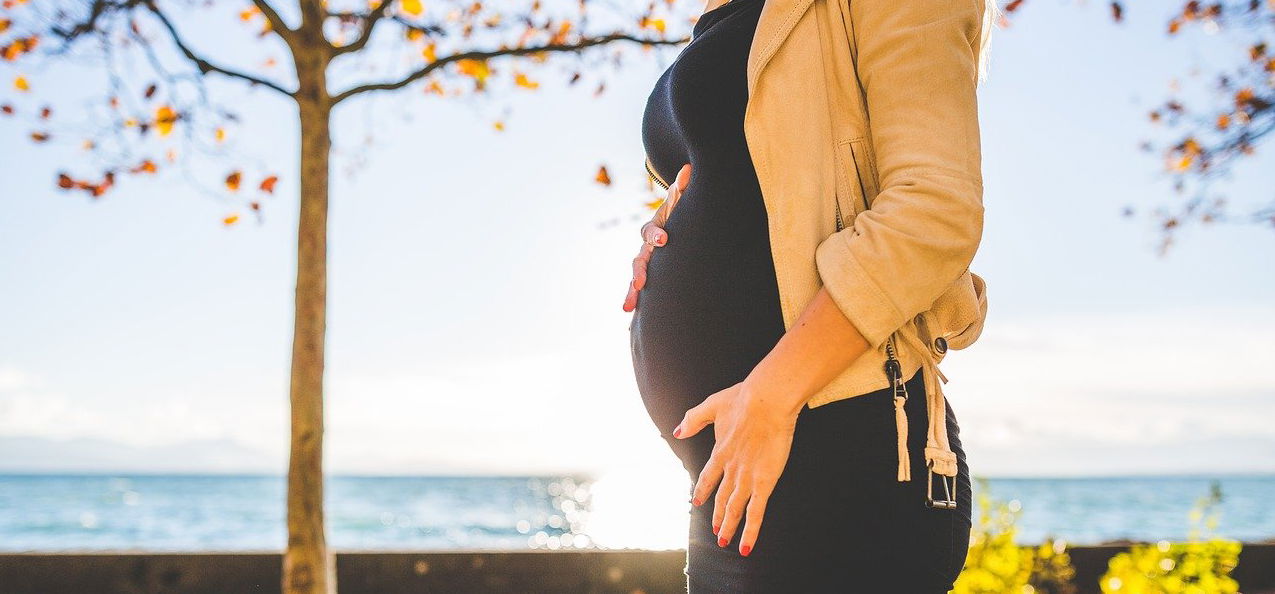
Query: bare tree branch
[[203, 64], [483, 55], [97, 10], [369, 24], [276, 22]]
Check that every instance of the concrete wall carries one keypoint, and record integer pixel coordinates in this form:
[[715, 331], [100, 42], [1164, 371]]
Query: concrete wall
[[458, 572]]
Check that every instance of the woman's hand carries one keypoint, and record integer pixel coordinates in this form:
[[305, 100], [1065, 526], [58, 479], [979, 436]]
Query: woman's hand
[[653, 235], [754, 437]]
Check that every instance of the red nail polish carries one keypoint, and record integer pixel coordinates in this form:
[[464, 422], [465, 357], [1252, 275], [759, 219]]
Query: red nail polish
[[716, 528], [745, 550], [721, 542], [677, 432], [695, 501]]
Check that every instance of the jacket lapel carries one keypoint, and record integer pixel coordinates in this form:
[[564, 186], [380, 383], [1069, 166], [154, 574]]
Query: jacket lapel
[[776, 21]]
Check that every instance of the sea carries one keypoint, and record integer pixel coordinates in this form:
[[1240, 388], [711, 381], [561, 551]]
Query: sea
[[205, 513]]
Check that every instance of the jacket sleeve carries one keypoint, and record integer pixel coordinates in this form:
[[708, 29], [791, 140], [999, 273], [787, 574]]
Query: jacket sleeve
[[917, 65]]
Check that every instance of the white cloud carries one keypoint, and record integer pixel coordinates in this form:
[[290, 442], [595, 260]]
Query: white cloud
[[1155, 390]]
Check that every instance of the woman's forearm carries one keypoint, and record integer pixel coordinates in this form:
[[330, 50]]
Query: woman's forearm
[[818, 347]]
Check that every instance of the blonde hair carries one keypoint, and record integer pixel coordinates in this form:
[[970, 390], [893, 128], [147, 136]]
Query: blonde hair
[[991, 14]]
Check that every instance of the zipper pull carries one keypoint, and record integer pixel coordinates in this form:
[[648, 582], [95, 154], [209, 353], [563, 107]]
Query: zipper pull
[[894, 370]]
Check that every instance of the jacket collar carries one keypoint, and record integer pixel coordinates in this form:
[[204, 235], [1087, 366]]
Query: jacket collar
[[778, 17]]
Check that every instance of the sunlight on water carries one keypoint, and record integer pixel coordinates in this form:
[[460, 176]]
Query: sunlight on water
[[640, 507]]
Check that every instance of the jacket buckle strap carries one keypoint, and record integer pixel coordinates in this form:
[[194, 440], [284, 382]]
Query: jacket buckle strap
[[949, 489], [939, 457]]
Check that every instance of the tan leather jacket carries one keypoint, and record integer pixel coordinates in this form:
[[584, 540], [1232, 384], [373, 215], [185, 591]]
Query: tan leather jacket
[[865, 112]]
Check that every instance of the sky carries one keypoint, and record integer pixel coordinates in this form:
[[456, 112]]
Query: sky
[[477, 277]]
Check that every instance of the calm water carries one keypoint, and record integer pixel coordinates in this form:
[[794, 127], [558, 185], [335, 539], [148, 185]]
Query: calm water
[[201, 513]]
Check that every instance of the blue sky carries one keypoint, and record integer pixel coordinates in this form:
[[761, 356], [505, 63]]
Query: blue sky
[[476, 283]]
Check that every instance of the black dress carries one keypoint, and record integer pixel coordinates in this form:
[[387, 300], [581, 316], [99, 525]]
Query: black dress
[[837, 521]]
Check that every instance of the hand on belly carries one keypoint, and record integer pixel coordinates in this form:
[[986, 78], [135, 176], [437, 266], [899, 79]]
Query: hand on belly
[[752, 441], [653, 235]]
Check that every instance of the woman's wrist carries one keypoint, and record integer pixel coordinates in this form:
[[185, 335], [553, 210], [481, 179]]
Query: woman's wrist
[[820, 344], [766, 391]]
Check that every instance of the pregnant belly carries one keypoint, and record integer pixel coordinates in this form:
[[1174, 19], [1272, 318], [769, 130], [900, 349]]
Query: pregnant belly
[[708, 313]]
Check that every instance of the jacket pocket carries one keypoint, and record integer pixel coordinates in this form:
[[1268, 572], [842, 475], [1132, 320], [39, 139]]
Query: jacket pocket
[[856, 177], [865, 170]]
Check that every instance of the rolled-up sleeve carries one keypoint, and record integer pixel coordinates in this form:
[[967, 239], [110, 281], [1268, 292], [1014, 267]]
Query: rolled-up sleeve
[[917, 62]]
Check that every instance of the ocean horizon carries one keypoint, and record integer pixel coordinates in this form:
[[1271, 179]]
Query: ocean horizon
[[206, 512]]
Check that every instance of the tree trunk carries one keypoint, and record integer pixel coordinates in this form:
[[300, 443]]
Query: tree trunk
[[308, 567]]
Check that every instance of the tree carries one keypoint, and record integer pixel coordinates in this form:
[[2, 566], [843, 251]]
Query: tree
[[1213, 136], [454, 42]]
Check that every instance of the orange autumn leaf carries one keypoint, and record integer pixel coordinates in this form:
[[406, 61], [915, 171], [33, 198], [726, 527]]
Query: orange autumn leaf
[[561, 35], [267, 185], [232, 181], [11, 51], [498, 125], [654, 204], [603, 177], [147, 166], [40, 136], [230, 220], [220, 134], [412, 7], [1182, 164], [521, 80], [429, 54], [4, 25], [657, 24], [164, 119], [1223, 121], [1243, 97], [20, 83], [475, 68]]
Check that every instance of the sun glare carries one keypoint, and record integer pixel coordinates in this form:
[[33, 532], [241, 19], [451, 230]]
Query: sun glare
[[642, 507]]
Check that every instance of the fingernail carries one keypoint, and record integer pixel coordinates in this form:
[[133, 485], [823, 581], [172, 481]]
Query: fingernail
[[721, 542], [745, 550], [716, 528], [695, 501], [678, 431]]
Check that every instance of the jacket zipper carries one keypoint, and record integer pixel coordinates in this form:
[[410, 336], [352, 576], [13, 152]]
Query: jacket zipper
[[655, 176], [894, 369]]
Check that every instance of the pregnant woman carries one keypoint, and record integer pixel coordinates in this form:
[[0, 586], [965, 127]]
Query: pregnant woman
[[808, 268]]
